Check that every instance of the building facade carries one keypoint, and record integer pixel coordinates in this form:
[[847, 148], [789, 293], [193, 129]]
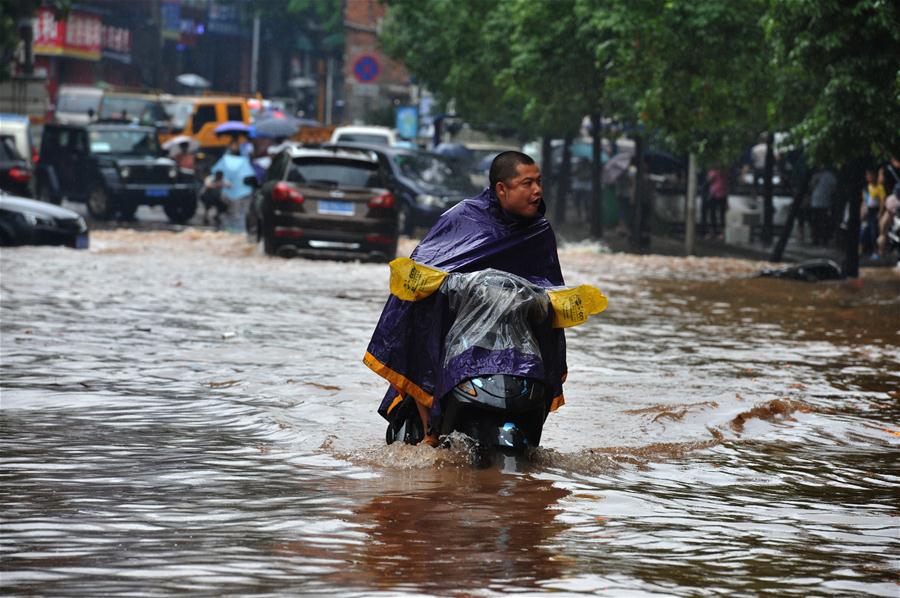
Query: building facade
[[334, 78], [373, 84]]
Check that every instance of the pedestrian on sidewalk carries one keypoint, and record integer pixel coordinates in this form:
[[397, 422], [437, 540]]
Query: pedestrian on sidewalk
[[716, 203], [758, 163], [890, 172], [872, 204]]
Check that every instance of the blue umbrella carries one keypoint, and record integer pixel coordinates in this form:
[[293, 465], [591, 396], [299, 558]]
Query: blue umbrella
[[233, 127]]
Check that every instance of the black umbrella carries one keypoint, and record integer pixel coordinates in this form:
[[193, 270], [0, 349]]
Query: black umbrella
[[277, 127], [660, 162], [454, 151]]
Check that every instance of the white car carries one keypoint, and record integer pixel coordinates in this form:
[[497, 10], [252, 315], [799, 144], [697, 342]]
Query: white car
[[19, 129], [365, 134]]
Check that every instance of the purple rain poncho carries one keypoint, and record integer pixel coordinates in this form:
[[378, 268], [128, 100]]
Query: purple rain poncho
[[407, 347]]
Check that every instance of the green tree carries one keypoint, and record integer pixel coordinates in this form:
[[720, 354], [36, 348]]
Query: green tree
[[693, 73], [450, 49], [319, 22], [12, 12], [697, 72], [522, 66], [557, 74], [838, 75]]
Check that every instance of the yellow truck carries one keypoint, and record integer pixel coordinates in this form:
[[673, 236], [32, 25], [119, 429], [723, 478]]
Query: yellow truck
[[198, 117]]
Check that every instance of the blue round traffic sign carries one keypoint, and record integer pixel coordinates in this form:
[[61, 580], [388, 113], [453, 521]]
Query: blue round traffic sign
[[366, 68]]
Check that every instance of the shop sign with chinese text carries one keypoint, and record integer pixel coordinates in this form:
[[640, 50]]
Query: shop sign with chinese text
[[79, 36]]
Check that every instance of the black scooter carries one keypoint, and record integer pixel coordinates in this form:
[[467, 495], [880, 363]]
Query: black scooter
[[499, 413]]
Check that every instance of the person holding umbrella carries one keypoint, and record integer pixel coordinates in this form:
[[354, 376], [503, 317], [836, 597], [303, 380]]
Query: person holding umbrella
[[181, 149], [235, 168]]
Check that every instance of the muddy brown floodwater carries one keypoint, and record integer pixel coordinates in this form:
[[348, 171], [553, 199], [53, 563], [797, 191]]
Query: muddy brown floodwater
[[182, 415]]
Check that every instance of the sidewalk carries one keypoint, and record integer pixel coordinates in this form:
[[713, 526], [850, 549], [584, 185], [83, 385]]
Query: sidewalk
[[795, 251]]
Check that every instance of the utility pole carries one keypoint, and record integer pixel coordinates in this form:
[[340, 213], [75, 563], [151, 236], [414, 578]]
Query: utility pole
[[254, 57], [329, 89], [768, 205]]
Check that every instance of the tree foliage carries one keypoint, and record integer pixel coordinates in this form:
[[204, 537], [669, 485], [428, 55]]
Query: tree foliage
[[838, 76], [320, 21], [454, 49], [549, 73], [695, 72], [707, 76], [11, 12]]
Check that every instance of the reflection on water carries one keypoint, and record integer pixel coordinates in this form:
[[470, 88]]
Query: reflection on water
[[181, 414], [451, 529]]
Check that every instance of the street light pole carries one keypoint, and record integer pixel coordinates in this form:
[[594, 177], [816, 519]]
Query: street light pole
[[329, 89], [254, 57]]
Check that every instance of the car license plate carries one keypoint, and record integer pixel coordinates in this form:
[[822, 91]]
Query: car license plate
[[82, 241], [157, 192], [342, 208]]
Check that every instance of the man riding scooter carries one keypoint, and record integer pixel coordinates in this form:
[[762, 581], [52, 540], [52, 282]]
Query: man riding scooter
[[502, 228]]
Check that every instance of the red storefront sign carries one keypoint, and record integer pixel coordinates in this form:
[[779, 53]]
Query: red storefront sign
[[79, 36]]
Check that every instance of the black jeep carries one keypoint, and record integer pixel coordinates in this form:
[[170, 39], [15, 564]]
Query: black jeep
[[114, 168]]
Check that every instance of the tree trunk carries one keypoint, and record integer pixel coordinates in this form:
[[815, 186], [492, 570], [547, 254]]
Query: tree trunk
[[563, 182], [768, 206], [638, 199], [596, 180], [850, 185], [778, 252], [690, 216], [547, 162]]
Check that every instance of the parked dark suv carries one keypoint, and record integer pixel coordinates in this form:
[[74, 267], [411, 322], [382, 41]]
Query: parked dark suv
[[324, 203], [114, 168], [425, 184]]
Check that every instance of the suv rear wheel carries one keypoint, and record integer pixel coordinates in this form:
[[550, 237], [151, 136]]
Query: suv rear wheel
[[405, 223], [100, 204], [270, 247], [181, 212]]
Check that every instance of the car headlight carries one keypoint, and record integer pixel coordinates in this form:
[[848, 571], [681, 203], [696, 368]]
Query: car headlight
[[173, 172], [36, 219], [430, 201], [124, 172]]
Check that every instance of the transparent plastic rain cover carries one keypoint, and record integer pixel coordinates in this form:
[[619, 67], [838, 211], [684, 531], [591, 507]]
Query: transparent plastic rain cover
[[494, 310]]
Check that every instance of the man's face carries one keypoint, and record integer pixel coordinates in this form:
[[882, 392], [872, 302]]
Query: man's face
[[523, 195]]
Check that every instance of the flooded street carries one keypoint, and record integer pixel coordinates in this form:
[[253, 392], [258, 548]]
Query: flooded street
[[181, 414]]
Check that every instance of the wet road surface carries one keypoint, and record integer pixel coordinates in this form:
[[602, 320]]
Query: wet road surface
[[181, 414]]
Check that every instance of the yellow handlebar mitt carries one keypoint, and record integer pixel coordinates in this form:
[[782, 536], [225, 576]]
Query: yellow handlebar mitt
[[573, 306], [411, 281]]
